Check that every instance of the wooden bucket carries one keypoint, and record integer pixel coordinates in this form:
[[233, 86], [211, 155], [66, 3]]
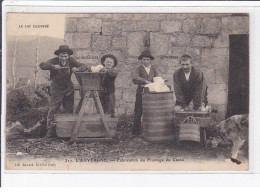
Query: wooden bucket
[[158, 117], [91, 125], [189, 130]]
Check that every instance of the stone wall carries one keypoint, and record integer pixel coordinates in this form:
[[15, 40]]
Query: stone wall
[[204, 36]]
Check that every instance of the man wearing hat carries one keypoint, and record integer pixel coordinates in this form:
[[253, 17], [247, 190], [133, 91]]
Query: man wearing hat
[[61, 87], [142, 75], [107, 95], [189, 85]]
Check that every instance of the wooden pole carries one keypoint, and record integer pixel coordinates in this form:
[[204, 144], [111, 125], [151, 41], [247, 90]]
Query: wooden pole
[[37, 60], [14, 61]]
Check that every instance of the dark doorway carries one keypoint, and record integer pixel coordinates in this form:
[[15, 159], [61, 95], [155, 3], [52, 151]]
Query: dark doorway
[[238, 82]]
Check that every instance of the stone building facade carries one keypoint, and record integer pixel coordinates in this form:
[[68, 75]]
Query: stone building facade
[[203, 36]]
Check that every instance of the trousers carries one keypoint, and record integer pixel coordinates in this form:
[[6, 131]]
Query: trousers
[[56, 100], [138, 114]]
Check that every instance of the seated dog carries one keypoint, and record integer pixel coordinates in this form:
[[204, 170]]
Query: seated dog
[[233, 130]]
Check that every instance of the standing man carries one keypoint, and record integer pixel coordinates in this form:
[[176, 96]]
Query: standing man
[[61, 87], [143, 74], [189, 85]]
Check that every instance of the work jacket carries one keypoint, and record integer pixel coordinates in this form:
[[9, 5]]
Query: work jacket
[[193, 89], [108, 81], [61, 79], [140, 75]]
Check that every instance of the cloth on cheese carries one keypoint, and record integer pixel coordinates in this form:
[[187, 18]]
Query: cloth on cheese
[[96, 68], [158, 85]]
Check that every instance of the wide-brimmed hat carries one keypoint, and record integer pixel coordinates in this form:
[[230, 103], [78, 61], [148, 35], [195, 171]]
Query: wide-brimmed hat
[[110, 56], [62, 49], [146, 53]]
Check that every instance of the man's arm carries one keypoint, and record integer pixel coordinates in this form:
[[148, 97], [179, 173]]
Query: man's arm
[[178, 91], [112, 73], [80, 66], [137, 79], [156, 74], [49, 65], [199, 90]]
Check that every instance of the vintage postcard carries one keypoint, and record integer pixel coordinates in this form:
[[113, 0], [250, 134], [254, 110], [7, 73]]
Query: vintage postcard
[[127, 92]]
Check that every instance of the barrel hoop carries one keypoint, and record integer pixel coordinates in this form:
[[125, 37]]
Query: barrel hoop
[[155, 126], [156, 114], [163, 96]]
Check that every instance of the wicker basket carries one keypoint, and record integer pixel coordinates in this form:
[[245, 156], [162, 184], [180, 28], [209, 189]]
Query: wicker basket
[[189, 130]]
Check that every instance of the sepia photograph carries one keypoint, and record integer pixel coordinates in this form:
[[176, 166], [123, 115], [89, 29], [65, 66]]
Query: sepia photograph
[[127, 92]]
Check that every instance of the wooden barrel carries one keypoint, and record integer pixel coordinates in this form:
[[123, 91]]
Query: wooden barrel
[[158, 117]]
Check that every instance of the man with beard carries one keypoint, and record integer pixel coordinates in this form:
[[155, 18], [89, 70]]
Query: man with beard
[[189, 85], [61, 87]]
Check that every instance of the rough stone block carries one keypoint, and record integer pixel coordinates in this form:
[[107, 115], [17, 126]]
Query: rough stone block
[[68, 39], [210, 26], [209, 75], [78, 40], [235, 25], [217, 94], [215, 58], [191, 26], [182, 40], [103, 16], [179, 16], [129, 26], [101, 43], [166, 65], [222, 42], [71, 25], [148, 26], [201, 41], [222, 70], [119, 16], [160, 44], [111, 28], [129, 95], [119, 43], [157, 16], [124, 80], [89, 25], [90, 57], [171, 26], [81, 40], [135, 43]]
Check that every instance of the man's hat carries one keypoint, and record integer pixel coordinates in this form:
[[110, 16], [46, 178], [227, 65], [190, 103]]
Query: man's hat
[[110, 56], [146, 53], [62, 49]]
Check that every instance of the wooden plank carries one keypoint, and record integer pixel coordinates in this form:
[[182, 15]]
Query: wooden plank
[[101, 111], [79, 119], [90, 127]]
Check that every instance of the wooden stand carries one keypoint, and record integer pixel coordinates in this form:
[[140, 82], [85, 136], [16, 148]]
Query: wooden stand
[[89, 86]]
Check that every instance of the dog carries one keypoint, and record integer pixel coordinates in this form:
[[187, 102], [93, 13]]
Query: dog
[[232, 131]]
